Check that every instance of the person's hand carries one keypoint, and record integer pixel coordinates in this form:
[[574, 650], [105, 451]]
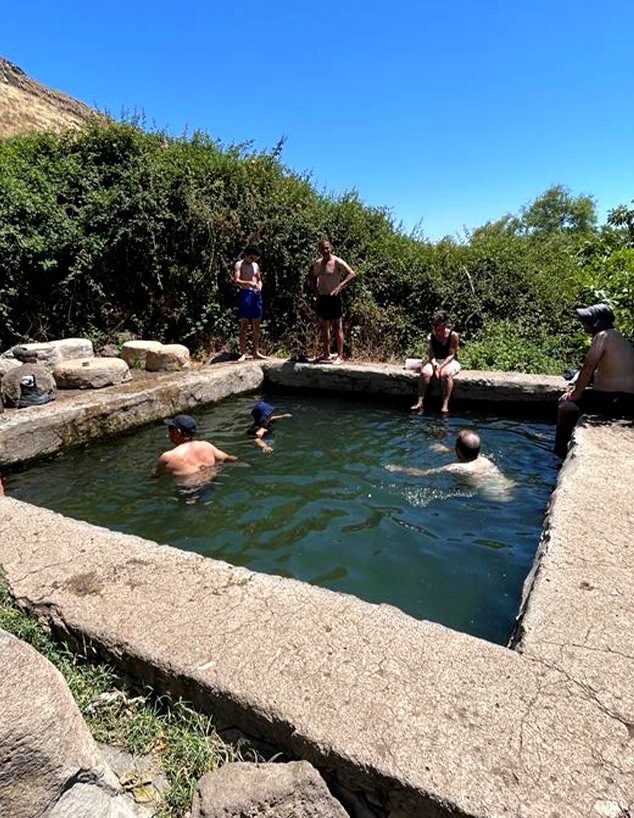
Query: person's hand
[[436, 370], [567, 395], [337, 290]]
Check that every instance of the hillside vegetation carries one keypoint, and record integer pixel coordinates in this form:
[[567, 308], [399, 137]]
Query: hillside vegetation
[[115, 229]]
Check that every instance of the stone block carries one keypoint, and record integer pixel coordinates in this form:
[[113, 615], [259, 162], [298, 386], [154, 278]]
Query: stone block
[[134, 353], [52, 352], [10, 386], [91, 373], [244, 790], [169, 358]]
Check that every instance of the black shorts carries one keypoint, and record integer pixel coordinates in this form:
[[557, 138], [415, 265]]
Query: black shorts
[[610, 404], [329, 307]]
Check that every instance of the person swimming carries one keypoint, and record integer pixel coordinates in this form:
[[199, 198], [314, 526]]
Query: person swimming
[[191, 462], [262, 425], [472, 468]]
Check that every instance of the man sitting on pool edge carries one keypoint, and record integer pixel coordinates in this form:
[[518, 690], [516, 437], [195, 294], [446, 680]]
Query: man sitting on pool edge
[[476, 469], [191, 461]]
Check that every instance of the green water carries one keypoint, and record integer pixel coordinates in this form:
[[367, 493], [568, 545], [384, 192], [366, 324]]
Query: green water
[[322, 508]]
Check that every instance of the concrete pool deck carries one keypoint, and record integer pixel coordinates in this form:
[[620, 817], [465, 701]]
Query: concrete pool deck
[[418, 719]]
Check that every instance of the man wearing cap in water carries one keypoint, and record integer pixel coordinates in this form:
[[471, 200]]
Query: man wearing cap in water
[[190, 460], [611, 360], [263, 418]]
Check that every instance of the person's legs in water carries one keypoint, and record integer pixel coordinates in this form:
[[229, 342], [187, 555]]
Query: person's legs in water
[[423, 382], [567, 417]]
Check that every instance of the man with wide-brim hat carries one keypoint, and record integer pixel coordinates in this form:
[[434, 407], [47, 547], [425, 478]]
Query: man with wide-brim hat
[[611, 360], [191, 461]]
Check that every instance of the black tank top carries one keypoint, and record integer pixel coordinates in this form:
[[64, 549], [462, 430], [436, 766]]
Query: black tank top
[[441, 348]]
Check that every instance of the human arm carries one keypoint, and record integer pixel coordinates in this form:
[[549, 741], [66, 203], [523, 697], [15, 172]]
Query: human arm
[[259, 439], [223, 456], [242, 282], [431, 356], [349, 275], [314, 278], [593, 357], [161, 466], [453, 350], [409, 470], [257, 277], [281, 417]]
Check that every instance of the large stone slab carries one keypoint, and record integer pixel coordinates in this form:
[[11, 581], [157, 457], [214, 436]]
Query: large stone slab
[[535, 393], [134, 353], [168, 358], [244, 790], [49, 763], [31, 433], [423, 720], [10, 389], [52, 353], [91, 373]]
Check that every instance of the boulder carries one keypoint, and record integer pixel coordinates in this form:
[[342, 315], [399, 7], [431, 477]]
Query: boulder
[[91, 373], [6, 365], [109, 351], [134, 353], [170, 358], [10, 386], [245, 790], [52, 352], [49, 763]]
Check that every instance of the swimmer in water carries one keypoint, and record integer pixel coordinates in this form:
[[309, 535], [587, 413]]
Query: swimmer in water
[[262, 425], [191, 462], [472, 467]]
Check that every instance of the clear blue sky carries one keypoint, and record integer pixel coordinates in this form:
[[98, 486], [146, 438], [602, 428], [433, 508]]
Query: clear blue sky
[[454, 113]]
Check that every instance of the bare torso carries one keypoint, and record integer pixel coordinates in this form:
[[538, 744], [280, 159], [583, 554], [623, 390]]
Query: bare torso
[[189, 460], [484, 476], [247, 272], [615, 370], [328, 274]]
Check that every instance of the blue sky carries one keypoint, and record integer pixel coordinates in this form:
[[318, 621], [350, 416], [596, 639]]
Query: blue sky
[[451, 113]]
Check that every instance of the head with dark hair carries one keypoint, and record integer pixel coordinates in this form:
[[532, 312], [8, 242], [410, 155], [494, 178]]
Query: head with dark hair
[[467, 445], [325, 245], [439, 317], [250, 250], [597, 317]]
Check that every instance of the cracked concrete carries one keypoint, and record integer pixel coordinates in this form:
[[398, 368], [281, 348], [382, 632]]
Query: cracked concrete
[[422, 720]]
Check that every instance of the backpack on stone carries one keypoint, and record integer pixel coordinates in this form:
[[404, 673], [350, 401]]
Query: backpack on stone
[[30, 395]]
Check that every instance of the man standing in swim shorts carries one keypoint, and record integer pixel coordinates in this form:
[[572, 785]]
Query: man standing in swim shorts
[[246, 276], [330, 276]]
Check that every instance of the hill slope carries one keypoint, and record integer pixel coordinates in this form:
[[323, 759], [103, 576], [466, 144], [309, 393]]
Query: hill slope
[[26, 105]]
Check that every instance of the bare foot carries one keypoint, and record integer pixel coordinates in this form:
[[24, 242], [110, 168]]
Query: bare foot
[[417, 406], [325, 359], [445, 410], [336, 360], [259, 355], [243, 357]]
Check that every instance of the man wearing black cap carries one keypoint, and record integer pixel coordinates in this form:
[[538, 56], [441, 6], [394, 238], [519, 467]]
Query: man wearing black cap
[[611, 360], [190, 460]]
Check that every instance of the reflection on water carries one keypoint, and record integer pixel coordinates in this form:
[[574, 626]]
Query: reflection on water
[[322, 508]]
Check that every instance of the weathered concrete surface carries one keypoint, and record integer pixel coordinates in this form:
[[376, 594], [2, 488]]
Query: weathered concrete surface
[[49, 763], [394, 381], [430, 722], [32, 432], [245, 790], [579, 616]]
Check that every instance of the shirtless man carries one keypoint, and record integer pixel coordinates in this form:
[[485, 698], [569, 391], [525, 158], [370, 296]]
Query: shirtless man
[[472, 467], [191, 461], [330, 276], [611, 360], [246, 276]]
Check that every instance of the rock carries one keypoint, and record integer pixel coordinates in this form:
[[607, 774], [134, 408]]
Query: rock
[[109, 351], [221, 358], [52, 352], [49, 763], [6, 365], [244, 790], [134, 353], [10, 386], [170, 357], [91, 373]]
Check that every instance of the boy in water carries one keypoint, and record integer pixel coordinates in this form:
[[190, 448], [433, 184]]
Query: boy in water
[[263, 418], [246, 276], [190, 462]]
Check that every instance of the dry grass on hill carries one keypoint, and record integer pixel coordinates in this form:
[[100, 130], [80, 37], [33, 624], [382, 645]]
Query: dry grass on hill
[[26, 105]]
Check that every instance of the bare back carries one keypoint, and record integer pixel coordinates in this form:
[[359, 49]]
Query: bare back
[[190, 458], [615, 368]]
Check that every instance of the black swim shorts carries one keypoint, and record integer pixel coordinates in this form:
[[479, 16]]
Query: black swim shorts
[[329, 307], [610, 404]]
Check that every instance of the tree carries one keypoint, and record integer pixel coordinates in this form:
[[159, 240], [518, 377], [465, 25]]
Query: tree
[[557, 210]]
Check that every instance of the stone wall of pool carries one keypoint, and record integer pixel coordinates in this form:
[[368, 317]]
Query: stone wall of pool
[[412, 718]]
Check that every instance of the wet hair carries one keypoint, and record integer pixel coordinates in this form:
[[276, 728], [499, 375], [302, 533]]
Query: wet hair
[[440, 316], [468, 444], [250, 250]]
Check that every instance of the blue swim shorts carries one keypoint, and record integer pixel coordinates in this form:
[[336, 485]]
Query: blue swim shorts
[[250, 304]]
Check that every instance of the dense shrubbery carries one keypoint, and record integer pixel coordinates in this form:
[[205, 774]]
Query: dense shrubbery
[[116, 229]]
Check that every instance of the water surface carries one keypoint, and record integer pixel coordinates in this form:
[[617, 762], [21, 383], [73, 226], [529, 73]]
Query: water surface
[[322, 508]]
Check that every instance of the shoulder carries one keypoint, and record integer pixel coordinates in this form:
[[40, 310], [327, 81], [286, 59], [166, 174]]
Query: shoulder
[[238, 264]]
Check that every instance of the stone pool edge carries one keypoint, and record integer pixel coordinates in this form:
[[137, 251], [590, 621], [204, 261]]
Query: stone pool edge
[[423, 720]]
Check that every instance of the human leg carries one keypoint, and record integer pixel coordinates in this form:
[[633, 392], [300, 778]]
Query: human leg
[[325, 338], [338, 328], [567, 417], [423, 382], [256, 339], [244, 323], [446, 386]]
